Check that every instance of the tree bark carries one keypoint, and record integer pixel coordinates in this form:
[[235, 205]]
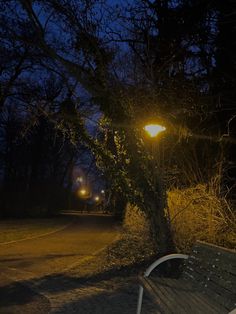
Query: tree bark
[[160, 227]]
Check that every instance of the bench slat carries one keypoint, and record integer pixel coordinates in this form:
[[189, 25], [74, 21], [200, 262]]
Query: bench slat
[[159, 299], [225, 281], [172, 293], [175, 296], [214, 264], [165, 299], [191, 294], [211, 249], [214, 254]]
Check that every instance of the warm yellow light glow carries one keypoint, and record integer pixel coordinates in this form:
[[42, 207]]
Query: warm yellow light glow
[[83, 192], [97, 198], [154, 129]]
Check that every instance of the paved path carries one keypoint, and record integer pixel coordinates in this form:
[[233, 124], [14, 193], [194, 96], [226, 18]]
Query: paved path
[[35, 274], [58, 251], [31, 261]]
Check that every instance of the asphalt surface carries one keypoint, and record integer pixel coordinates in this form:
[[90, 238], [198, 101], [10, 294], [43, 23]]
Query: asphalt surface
[[46, 257]]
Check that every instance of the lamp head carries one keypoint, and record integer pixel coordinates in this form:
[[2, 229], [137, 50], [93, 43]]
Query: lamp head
[[154, 129]]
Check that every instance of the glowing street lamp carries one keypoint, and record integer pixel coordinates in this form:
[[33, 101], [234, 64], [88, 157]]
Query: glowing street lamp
[[83, 192], [97, 198], [154, 129], [102, 191]]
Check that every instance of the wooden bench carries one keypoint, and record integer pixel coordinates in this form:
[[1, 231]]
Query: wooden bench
[[207, 284]]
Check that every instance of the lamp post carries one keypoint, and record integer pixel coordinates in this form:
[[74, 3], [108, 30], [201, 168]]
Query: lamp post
[[156, 197], [153, 130], [84, 194]]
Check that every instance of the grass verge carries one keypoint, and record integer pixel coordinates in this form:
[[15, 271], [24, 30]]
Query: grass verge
[[19, 229]]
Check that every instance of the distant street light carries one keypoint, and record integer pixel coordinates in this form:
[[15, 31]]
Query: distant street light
[[154, 129], [102, 191], [97, 198], [84, 193], [79, 179]]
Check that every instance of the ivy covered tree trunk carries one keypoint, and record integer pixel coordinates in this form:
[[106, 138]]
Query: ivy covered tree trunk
[[119, 206], [155, 203], [160, 227]]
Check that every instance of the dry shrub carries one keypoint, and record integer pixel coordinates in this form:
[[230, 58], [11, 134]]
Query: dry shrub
[[135, 221], [198, 214], [135, 244]]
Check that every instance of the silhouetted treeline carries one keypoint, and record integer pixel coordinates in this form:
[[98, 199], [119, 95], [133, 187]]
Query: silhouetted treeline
[[37, 160]]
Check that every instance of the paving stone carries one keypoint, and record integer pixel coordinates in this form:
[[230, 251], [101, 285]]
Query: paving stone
[[116, 296]]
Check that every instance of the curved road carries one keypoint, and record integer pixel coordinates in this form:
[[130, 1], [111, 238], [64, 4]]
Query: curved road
[[52, 254]]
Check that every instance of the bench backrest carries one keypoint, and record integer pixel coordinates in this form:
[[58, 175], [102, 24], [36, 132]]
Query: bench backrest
[[213, 269]]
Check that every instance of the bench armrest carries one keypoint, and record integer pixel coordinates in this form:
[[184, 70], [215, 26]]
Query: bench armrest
[[162, 260]]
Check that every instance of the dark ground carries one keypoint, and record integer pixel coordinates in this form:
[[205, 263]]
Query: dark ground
[[25, 265]]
